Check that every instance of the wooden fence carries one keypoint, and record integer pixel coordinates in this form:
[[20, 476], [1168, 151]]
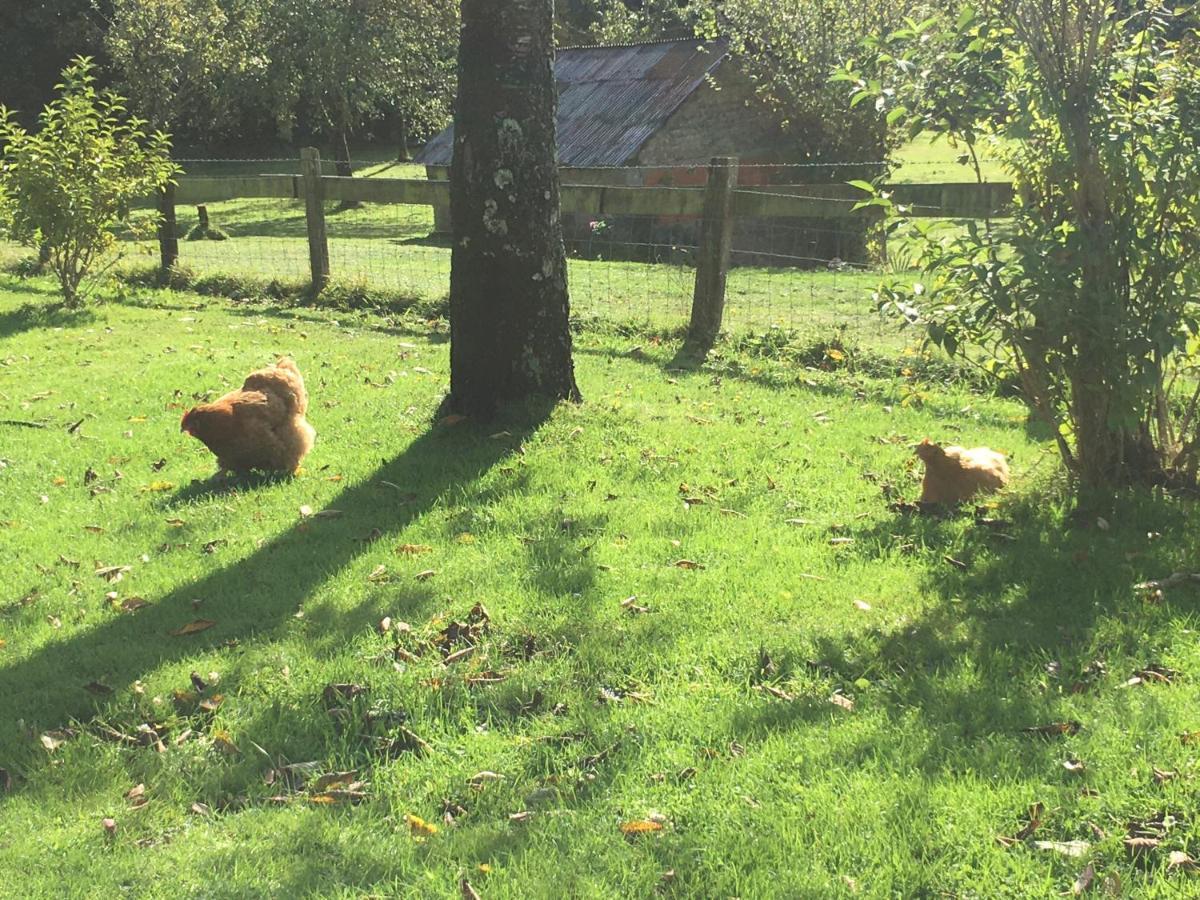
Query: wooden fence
[[585, 191]]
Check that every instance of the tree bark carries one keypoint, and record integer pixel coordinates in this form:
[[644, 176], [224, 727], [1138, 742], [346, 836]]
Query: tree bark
[[510, 335], [341, 152], [402, 138]]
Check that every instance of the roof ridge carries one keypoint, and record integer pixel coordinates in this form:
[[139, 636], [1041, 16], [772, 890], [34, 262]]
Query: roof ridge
[[645, 43]]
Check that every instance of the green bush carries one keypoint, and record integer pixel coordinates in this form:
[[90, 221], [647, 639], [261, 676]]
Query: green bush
[[68, 187]]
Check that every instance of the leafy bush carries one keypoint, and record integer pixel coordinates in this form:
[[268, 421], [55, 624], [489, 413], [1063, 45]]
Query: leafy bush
[[67, 187], [1088, 297]]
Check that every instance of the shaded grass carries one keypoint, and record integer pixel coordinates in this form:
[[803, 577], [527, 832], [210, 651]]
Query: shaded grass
[[602, 716]]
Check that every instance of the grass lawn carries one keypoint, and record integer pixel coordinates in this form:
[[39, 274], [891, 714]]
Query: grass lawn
[[700, 621]]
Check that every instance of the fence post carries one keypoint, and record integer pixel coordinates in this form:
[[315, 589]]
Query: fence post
[[712, 263], [314, 214], [168, 238]]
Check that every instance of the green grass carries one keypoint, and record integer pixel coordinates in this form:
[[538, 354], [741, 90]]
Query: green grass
[[931, 160], [599, 716]]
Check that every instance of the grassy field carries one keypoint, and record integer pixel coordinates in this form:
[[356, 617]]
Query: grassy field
[[670, 641]]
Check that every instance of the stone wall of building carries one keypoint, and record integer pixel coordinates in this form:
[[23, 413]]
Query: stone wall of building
[[723, 117]]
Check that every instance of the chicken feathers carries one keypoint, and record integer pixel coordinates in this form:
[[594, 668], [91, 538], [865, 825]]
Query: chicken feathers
[[260, 426], [954, 474]]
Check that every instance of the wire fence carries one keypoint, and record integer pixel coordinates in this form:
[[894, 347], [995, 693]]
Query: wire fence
[[807, 274]]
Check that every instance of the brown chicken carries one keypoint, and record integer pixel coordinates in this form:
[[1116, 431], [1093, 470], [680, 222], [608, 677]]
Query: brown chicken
[[260, 426], [954, 474]]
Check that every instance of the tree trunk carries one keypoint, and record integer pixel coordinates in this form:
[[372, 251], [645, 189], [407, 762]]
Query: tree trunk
[[402, 138], [341, 152], [510, 337]]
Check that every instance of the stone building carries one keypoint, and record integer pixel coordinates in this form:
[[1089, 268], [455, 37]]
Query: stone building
[[655, 114]]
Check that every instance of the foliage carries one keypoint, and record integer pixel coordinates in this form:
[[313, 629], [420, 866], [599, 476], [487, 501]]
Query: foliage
[[66, 187], [37, 40], [333, 65], [178, 60], [1089, 294]]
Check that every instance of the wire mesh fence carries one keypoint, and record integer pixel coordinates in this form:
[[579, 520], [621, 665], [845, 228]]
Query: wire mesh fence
[[809, 273]]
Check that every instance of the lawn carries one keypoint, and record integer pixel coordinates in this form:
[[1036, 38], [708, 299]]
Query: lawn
[[683, 609]]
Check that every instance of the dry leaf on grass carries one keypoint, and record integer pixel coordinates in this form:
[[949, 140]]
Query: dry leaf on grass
[[413, 549], [192, 627], [1181, 861], [1067, 848], [419, 826], [688, 564], [1084, 881], [841, 700], [110, 827], [640, 826], [468, 892], [425, 575], [112, 574]]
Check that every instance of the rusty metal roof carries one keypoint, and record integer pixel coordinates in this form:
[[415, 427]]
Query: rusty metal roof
[[612, 99]]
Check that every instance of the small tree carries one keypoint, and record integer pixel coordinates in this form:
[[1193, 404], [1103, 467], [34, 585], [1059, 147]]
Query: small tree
[[1087, 297], [66, 188]]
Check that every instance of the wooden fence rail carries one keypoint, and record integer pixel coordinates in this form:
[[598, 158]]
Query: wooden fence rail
[[594, 193]]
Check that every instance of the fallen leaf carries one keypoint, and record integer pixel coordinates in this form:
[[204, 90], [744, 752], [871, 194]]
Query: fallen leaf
[[1138, 845], [1073, 765], [688, 564], [459, 655], [862, 604], [640, 826], [95, 687], [334, 780], [519, 817], [385, 624], [1190, 737], [1161, 776], [192, 627], [138, 790], [157, 486], [468, 892], [52, 740], [110, 826], [132, 604], [841, 700], [112, 574], [306, 511], [413, 549], [338, 796], [425, 575], [452, 419], [1067, 848], [199, 809], [479, 779], [419, 826], [213, 703], [329, 514], [1084, 881], [1177, 859], [378, 574], [840, 541]]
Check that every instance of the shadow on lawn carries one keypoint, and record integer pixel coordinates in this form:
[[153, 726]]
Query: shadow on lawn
[[47, 686], [1023, 601], [30, 316]]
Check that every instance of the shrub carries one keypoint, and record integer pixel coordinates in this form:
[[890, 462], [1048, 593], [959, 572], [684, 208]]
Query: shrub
[[1087, 298], [69, 186]]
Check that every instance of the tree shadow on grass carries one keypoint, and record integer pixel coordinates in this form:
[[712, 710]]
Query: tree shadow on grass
[[257, 593], [31, 316], [1023, 601]]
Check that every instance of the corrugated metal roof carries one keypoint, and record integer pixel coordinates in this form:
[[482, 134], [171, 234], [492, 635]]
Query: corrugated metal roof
[[612, 99]]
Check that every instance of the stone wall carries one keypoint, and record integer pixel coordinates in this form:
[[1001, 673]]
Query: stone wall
[[723, 117]]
